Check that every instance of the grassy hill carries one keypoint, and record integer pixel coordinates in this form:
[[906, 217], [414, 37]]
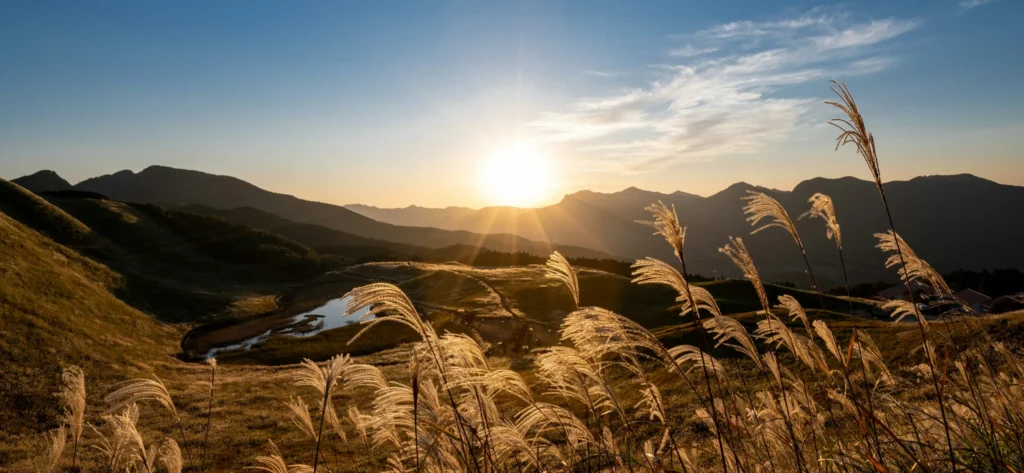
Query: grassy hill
[[176, 265], [60, 308], [497, 304], [356, 249]]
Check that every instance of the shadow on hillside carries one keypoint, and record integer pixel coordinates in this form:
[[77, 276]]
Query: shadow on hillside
[[176, 266]]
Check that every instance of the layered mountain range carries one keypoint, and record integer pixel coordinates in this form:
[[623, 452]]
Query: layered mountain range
[[955, 222], [180, 188]]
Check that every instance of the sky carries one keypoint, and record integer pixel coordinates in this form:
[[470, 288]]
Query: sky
[[394, 103]]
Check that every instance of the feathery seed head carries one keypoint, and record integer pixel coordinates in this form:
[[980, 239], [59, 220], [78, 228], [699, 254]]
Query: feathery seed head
[[559, 268], [322, 379], [666, 224], [49, 461], [899, 309], [689, 354], [300, 417], [821, 207], [826, 336], [116, 446], [737, 252], [914, 267], [761, 206], [139, 390], [655, 271], [725, 329], [170, 456], [273, 463], [73, 395], [365, 376], [795, 311], [388, 301], [853, 130]]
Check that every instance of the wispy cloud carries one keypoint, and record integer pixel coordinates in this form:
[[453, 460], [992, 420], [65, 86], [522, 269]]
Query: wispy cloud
[[969, 4], [690, 51], [597, 73], [724, 97]]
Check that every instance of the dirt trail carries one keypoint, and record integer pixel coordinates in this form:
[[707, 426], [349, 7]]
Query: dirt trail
[[501, 296]]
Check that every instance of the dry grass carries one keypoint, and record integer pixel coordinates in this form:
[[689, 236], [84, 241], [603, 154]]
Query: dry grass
[[774, 389]]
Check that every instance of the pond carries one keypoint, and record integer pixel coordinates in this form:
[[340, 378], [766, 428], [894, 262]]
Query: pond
[[326, 317]]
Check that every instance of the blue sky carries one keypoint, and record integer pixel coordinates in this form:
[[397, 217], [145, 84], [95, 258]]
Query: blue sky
[[397, 103]]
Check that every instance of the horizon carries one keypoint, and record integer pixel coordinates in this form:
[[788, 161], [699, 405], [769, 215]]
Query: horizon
[[560, 199], [475, 102]]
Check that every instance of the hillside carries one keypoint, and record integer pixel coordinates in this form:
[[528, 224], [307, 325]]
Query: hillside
[[356, 249], [173, 264], [164, 185], [321, 238], [971, 236], [58, 309]]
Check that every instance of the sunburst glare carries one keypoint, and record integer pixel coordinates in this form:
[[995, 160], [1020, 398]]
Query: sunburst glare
[[519, 175]]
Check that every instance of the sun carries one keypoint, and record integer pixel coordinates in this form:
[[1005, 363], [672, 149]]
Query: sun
[[518, 175]]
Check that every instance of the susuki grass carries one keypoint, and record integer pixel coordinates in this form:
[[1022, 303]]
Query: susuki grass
[[796, 393]]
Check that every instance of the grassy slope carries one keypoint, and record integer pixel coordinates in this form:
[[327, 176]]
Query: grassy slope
[[48, 292], [59, 308], [176, 265], [448, 294]]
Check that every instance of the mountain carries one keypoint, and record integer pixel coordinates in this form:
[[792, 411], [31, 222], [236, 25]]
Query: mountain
[[43, 181], [164, 185], [952, 221]]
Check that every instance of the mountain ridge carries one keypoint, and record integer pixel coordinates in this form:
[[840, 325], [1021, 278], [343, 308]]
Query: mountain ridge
[[948, 219], [926, 210], [42, 181], [171, 186]]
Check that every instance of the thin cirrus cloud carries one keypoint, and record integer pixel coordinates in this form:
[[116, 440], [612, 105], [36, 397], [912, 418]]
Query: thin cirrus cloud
[[690, 51], [969, 4], [721, 99], [597, 73]]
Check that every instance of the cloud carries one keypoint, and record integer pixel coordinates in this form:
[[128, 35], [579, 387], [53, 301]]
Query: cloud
[[690, 51], [726, 96], [597, 73], [969, 4]]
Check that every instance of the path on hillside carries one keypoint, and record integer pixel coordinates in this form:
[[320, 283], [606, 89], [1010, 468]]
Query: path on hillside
[[501, 296]]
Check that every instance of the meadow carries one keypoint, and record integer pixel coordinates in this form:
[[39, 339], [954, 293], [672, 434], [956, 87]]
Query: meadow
[[749, 377]]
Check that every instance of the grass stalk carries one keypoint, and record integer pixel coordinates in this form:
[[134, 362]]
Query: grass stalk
[[924, 334], [209, 414], [320, 430]]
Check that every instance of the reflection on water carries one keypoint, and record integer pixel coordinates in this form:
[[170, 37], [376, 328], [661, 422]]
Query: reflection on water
[[328, 316]]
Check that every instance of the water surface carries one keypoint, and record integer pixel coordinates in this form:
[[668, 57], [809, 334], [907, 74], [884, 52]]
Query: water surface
[[326, 317]]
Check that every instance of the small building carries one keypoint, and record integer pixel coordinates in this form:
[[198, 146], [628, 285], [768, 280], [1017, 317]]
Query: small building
[[899, 291], [973, 299], [1007, 303]]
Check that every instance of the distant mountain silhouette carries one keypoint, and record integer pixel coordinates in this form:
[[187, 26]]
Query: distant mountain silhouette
[[165, 185], [954, 222], [43, 181], [328, 241], [315, 236]]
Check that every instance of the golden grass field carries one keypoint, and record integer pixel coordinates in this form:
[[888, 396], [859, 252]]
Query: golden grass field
[[507, 370]]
